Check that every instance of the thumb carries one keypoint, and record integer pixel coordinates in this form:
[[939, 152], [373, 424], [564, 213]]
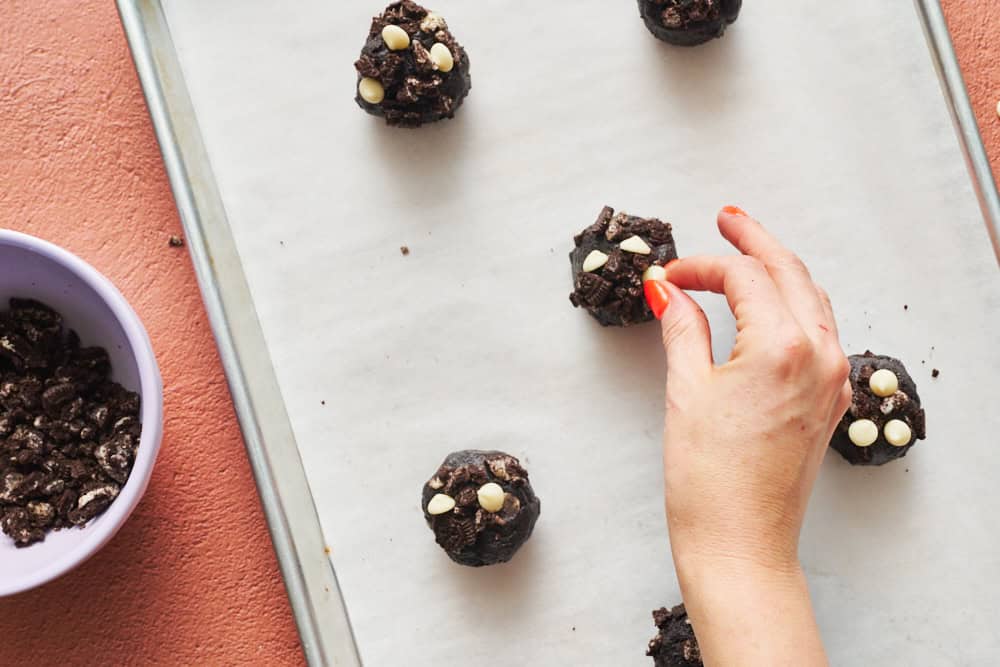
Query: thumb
[[686, 335]]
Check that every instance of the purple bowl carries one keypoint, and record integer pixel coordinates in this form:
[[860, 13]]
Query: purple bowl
[[91, 305]]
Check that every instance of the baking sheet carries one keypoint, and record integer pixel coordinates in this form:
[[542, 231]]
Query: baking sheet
[[834, 133]]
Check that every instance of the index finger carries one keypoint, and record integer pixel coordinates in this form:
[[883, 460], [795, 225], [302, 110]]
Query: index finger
[[787, 270], [753, 297]]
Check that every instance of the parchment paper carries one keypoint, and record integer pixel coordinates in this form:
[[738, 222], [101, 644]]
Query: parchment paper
[[823, 119]]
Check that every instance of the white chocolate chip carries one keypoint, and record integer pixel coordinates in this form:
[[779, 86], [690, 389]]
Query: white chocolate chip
[[491, 497], [440, 504], [636, 245], [371, 90], [432, 23], [898, 433], [436, 483], [863, 432], [441, 58], [655, 272], [883, 383], [595, 260], [395, 38]]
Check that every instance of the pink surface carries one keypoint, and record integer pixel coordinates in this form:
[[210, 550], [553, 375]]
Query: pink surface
[[192, 578], [974, 27], [93, 308]]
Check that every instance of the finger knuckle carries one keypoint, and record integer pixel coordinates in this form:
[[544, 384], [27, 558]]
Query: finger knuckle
[[841, 368], [675, 329], [790, 262], [749, 264], [796, 345], [844, 398], [793, 351], [824, 296]]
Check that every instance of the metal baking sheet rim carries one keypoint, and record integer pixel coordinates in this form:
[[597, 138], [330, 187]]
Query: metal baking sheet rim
[[317, 604]]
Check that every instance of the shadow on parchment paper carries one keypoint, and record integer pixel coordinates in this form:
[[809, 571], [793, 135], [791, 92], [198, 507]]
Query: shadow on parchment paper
[[880, 496], [423, 161], [862, 512], [697, 78], [492, 592], [633, 356]]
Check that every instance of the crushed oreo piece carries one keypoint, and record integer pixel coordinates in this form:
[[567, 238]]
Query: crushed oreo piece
[[675, 644], [688, 22], [903, 405], [468, 533], [935, 372], [419, 83], [613, 293], [176, 241], [68, 434]]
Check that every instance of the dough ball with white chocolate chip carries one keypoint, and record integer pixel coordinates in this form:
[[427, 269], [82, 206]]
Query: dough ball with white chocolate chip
[[411, 71], [480, 506], [885, 418], [611, 260]]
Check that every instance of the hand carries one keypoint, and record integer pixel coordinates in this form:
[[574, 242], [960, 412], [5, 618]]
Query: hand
[[744, 440]]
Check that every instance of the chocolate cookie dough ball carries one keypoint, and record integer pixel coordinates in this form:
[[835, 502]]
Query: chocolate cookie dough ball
[[688, 22], [885, 418], [675, 644], [611, 260], [411, 70], [481, 507]]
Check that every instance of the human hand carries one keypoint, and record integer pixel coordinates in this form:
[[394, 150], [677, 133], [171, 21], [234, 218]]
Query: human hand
[[744, 440]]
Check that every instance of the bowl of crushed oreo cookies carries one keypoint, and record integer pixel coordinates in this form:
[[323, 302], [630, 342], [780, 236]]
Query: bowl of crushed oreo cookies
[[81, 411]]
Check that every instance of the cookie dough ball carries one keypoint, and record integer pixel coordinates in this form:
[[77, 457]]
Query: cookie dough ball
[[411, 70], [675, 644], [609, 261], [481, 507], [885, 418], [688, 22]]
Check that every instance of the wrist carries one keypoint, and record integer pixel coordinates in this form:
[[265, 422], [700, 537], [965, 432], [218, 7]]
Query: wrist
[[700, 555], [745, 612], [710, 580]]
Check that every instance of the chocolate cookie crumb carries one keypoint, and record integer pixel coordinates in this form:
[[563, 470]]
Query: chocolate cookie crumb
[[935, 372], [674, 644], [176, 241], [404, 250], [608, 264], [68, 434], [688, 22], [480, 506], [412, 70], [885, 418]]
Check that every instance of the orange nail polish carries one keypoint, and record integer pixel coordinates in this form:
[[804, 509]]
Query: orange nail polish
[[657, 297], [735, 210]]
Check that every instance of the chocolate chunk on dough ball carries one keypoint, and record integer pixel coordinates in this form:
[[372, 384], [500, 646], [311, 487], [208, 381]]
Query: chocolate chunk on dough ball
[[480, 506], [675, 644], [885, 418], [411, 70], [688, 22], [611, 260]]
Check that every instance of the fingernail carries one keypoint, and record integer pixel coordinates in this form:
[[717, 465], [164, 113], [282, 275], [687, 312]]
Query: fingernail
[[734, 210], [657, 297]]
